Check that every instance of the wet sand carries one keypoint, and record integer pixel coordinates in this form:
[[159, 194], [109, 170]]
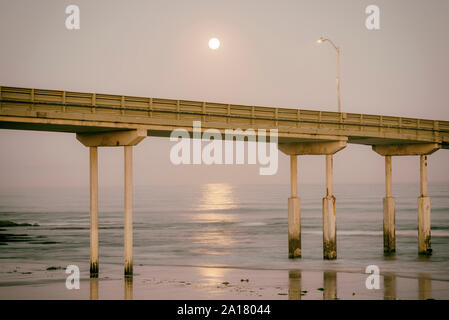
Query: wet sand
[[190, 282]]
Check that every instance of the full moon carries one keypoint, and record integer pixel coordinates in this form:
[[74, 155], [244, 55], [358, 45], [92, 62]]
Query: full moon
[[214, 43]]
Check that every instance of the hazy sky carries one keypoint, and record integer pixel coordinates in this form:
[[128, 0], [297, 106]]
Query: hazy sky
[[268, 56]]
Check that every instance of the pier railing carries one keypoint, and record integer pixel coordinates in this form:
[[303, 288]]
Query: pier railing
[[232, 115]]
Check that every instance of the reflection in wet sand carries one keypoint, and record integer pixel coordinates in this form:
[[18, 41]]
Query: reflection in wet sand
[[424, 287], [330, 285], [128, 288], [294, 284], [301, 285], [93, 288], [213, 276], [389, 286]]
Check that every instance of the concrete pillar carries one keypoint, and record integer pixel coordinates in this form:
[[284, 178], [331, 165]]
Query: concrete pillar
[[294, 176], [311, 147], [128, 211], [294, 212], [423, 175], [424, 246], [128, 139], [93, 155], [388, 177], [329, 214], [421, 149], [389, 211]]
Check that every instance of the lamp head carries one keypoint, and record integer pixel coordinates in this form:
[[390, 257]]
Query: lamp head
[[320, 40]]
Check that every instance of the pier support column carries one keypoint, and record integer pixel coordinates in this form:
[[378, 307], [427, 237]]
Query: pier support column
[[329, 214], [389, 211], [294, 212], [413, 149], [327, 147], [93, 155], [127, 139], [424, 246], [128, 211]]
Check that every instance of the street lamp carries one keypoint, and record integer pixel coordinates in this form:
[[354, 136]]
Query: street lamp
[[321, 40]]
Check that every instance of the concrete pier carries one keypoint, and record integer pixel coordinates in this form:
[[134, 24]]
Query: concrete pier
[[327, 148], [422, 150], [93, 151], [389, 229], [294, 212], [127, 139], [106, 120], [128, 211], [424, 246], [329, 215]]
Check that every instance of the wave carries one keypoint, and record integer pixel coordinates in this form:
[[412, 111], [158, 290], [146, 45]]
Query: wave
[[69, 228], [251, 224], [440, 228], [6, 223]]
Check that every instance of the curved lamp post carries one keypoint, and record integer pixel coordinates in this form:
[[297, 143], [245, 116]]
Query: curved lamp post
[[320, 40]]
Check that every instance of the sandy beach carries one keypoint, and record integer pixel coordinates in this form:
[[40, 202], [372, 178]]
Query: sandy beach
[[190, 282]]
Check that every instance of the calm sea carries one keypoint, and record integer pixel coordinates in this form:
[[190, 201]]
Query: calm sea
[[221, 225]]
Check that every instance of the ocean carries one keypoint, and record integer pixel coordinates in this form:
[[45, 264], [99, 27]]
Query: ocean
[[218, 225]]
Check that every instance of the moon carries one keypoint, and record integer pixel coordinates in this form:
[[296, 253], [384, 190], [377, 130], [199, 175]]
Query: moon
[[214, 43]]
